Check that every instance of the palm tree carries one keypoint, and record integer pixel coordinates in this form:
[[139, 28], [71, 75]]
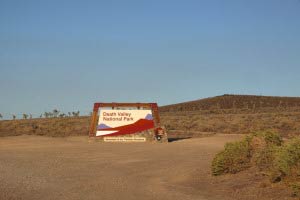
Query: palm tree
[[55, 112], [76, 114], [50, 114], [1, 116], [46, 114], [62, 115], [14, 117], [25, 116]]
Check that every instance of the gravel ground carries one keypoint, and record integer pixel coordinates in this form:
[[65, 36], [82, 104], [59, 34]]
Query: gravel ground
[[36, 167]]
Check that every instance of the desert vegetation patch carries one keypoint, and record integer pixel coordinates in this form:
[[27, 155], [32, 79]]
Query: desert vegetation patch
[[266, 151]]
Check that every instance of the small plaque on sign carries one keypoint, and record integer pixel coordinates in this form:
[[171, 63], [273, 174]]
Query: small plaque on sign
[[124, 139]]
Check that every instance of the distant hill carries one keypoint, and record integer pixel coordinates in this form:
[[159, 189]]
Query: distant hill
[[226, 101]]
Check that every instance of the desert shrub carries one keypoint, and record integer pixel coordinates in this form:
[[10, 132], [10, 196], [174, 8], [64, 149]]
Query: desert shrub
[[273, 138], [264, 145], [287, 161], [280, 161], [265, 157], [258, 148], [296, 189], [234, 158], [270, 137]]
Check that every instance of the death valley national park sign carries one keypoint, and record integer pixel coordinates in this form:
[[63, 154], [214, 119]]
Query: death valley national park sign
[[123, 122], [126, 122]]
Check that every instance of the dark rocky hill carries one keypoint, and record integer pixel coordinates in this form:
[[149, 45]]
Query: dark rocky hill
[[226, 101]]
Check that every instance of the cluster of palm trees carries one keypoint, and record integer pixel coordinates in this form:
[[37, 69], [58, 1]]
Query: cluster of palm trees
[[13, 116], [57, 113], [53, 114], [26, 116]]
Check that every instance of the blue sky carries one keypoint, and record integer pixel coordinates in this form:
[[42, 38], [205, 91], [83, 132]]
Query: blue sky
[[70, 54]]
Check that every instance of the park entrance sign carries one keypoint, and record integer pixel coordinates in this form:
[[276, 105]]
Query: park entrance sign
[[122, 122], [127, 122]]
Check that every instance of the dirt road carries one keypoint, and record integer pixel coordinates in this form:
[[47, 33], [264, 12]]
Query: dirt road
[[33, 167]]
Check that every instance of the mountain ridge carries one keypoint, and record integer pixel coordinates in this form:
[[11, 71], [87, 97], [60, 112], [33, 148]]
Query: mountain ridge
[[230, 101]]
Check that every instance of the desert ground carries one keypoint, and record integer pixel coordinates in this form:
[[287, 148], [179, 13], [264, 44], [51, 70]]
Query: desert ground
[[39, 167]]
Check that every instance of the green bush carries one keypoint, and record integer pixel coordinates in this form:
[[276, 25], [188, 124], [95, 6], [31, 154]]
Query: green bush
[[259, 147], [235, 158], [273, 138], [264, 157], [270, 137], [287, 160], [266, 151], [296, 189]]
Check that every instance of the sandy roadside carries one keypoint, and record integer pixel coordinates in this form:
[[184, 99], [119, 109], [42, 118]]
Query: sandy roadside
[[33, 167]]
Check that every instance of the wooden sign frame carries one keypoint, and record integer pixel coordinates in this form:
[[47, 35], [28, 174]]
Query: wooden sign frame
[[95, 116]]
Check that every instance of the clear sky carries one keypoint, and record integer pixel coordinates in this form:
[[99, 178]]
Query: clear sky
[[70, 54]]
